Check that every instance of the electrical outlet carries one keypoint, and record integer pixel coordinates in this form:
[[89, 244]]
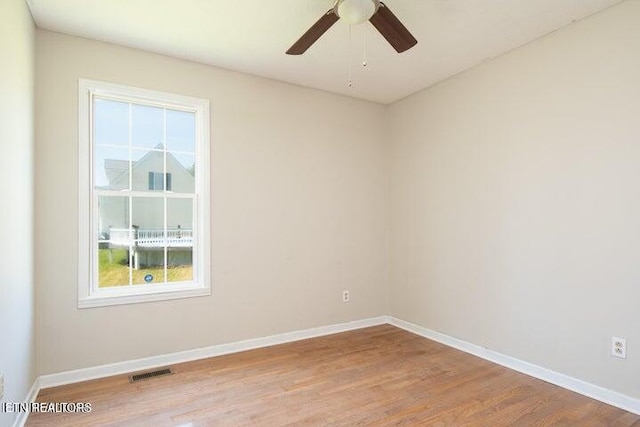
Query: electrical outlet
[[1, 385], [345, 296], [619, 347]]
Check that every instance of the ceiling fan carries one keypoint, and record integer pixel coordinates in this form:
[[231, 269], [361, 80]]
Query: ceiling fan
[[357, 12]]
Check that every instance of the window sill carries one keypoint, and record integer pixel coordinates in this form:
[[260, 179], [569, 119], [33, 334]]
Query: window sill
[[115, 296]]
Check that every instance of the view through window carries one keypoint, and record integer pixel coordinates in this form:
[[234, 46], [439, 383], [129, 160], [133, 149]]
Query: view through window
[[144, 237]]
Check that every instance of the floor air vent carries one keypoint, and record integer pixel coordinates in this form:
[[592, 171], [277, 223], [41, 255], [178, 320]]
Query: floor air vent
[[150, 374]]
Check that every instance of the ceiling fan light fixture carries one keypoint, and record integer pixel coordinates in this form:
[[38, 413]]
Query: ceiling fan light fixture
[[356, 12]]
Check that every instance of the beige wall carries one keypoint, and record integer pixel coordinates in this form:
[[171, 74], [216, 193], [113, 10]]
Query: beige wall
[[515, 194], [298, 209], [512, 205], [17, 354]]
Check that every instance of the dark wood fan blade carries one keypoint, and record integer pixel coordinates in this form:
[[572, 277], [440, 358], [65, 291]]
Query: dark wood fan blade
[[313, 34], [392, 29]]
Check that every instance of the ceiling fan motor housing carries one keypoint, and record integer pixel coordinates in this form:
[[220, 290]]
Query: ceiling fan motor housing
[[356, 12]]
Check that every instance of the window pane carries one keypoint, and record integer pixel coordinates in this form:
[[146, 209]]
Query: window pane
[[111, 168], [181, 131], [148, 213], [110, 122], [147, 126], [182, 168], [146, 164], [179, 240], [114, 241], [148, 226]]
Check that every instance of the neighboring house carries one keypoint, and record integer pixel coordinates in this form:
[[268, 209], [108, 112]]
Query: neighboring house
[[146, 236]]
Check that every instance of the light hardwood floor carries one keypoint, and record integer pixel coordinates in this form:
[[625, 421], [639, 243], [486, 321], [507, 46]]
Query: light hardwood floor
[[379, 376]]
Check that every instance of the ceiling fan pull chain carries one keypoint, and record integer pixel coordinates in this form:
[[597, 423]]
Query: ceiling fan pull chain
[[364, 54], [349, 58]]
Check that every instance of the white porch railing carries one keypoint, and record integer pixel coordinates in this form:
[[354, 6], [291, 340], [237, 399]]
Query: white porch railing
[[151, 238]]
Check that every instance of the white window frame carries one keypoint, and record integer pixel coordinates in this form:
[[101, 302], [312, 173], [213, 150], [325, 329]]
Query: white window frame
[[89, 294]]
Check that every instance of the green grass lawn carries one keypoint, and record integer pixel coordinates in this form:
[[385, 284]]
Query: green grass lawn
[[116, 272]]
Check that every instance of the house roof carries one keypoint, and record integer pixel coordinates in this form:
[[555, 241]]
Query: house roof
[[118, 170]]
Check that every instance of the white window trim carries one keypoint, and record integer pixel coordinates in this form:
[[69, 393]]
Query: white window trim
[[88, 293]]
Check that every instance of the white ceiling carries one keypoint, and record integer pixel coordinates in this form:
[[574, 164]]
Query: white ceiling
[[252, 36]]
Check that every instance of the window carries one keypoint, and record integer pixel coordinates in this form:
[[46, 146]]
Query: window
[[143, 194], [157, 181]]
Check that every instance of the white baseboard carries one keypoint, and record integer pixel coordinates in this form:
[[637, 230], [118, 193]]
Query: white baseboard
[[582, 387], [85, 374], [32, 394], [579, 386]]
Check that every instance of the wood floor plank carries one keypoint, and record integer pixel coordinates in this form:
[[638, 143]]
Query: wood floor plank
[[379, 376]]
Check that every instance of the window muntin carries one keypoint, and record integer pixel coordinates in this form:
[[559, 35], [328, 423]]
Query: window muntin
[[147, 226]]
